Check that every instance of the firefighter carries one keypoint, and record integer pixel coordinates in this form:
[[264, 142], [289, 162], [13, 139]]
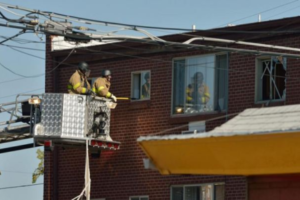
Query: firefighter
[[102, 85], [197, 92], [78, 83]]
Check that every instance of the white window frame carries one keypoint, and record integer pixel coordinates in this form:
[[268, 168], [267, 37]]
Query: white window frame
[[140, 196], [198, 185], [172, 92], [131, 88], [258, 74]]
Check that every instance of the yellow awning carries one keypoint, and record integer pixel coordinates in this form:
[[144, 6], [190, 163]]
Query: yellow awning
[[253, 154]]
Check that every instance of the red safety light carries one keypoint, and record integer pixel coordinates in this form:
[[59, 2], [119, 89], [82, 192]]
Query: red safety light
[[109, 145], [116, 146], [48, 143]]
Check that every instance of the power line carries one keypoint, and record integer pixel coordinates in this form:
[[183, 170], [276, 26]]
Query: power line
[[19, 186], [261, 12], [21, 92], [33, 76], [132, 26], [34, 49], [282, 12]]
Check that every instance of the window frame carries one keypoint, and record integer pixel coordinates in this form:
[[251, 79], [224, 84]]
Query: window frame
[[198, 185], [258, 61], [131, 86], [139, 196], [215, 89]]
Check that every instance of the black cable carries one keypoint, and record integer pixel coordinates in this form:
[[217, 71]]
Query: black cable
[[19, 186], [151, 27], [260, 12], [16, 35], [34, 49], [33, 76], [21, 92]]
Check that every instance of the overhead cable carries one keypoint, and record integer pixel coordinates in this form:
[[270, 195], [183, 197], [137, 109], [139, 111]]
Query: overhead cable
[[19, 186], [32, 76], [260, 12]]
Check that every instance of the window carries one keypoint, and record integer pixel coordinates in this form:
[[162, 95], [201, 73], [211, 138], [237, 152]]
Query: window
[[270, 78], [198, 192], [139, 198], [140, 85], [200, 84]]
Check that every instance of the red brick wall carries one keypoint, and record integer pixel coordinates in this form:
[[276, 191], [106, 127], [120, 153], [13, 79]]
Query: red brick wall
[[118, 175]]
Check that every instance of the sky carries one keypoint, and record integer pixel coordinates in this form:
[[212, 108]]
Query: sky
[[17, 167]]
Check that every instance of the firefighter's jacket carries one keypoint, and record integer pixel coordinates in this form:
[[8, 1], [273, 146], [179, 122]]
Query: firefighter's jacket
[[78, 83], [101, 87], [197, 94]]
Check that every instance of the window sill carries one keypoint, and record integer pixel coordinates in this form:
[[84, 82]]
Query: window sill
[[270, 104], [179, 119], [139, 104]]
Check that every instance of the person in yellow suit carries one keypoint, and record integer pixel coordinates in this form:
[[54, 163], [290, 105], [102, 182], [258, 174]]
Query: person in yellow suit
[[197, 92], [102, 85], [78, 83]]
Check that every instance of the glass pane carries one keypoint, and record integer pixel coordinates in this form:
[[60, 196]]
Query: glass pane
[[136, 86], [207, 191], [219, 192], [178, 87], [177, 193], [144, 198], [146, 81], [200, 84], [192, 193], [278, 74], [134, 198], [222, 82]]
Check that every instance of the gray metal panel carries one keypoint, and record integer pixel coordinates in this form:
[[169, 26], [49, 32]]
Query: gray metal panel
[[52, 106], [71, 116]]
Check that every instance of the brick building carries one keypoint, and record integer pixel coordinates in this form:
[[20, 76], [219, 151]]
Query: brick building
[[234, 81]]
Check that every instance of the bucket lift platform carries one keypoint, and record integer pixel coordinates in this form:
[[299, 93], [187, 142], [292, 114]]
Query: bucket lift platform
[[73, 120]]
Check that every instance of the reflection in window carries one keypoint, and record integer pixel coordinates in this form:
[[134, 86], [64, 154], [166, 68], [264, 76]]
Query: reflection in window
[[271, 78], [140, 85], [198, 192], [200, 84]]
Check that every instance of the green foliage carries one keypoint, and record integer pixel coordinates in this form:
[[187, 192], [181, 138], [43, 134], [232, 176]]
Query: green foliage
[[40, 169]]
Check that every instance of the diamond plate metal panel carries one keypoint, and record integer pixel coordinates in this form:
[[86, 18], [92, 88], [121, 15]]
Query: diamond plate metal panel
[[72, 116], [73, 120]]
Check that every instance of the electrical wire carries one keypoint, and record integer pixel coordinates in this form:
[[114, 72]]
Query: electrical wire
[[281, 13], [19, 186], [12, 95], [156, 60], [260, 12], [34, 49], [38, 75], [132, 26]]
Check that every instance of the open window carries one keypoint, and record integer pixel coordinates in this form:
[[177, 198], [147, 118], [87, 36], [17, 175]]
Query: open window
[[141, 85], [200, 84], [270, 79], [198, 192]]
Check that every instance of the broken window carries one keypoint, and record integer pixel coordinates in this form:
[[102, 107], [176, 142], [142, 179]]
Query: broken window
[[271, 78], [140, 85], [200, 84]]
